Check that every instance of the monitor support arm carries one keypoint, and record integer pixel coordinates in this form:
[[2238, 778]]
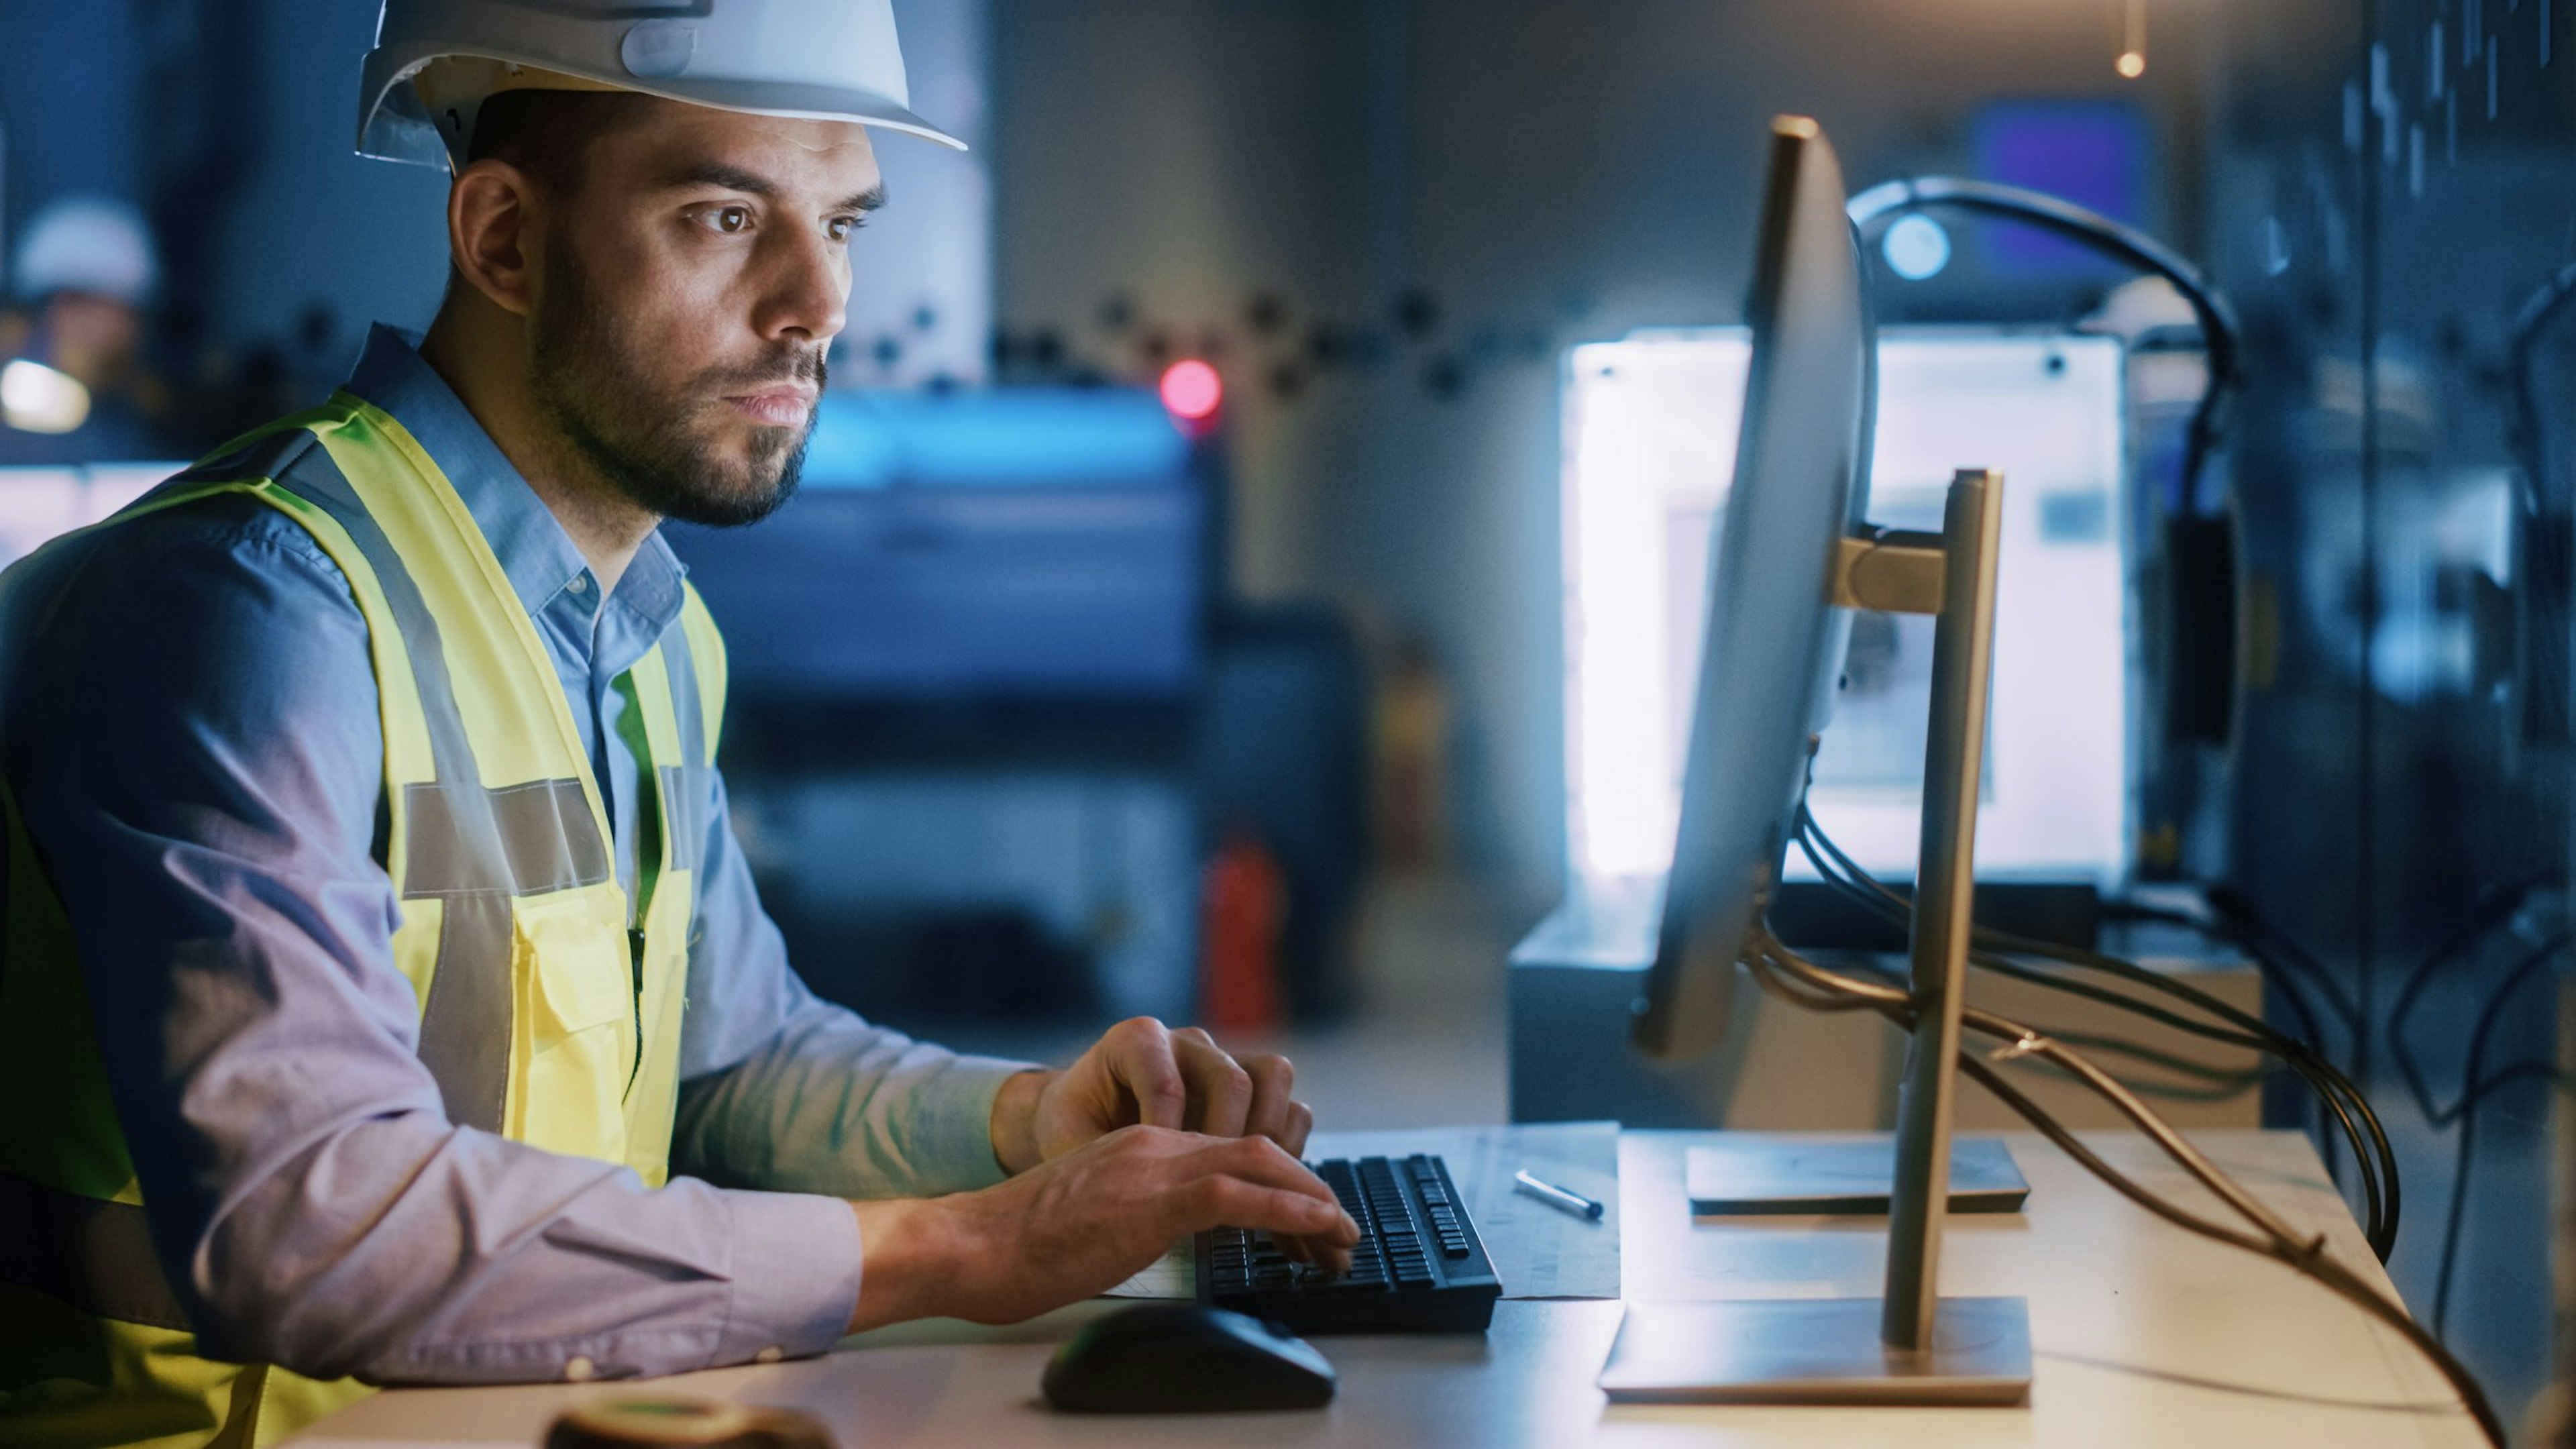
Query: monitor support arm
[[1957, 580], [1891, 571]]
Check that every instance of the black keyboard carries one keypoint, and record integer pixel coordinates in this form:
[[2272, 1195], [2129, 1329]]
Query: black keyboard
[[1418, 1267]]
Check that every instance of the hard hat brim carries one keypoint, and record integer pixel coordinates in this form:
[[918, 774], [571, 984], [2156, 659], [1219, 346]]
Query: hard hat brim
[[393, 129]]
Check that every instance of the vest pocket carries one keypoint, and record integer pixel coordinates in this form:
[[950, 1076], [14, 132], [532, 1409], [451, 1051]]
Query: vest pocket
[[569, 954]]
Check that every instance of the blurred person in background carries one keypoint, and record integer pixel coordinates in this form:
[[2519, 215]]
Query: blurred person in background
[[84, 274], [383, 995]]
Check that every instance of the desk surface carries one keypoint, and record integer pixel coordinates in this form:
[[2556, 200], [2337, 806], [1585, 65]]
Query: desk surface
[[2144, 1336]]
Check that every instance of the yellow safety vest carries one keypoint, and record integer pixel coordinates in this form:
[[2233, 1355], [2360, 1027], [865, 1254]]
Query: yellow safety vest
[[545, 1015]]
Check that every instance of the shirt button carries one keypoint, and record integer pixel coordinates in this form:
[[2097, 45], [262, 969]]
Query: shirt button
[[771, 1354], [579, 1369], [580, 584]]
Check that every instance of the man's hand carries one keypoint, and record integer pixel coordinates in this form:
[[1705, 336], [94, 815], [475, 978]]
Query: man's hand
[[1141, 1072], [1079, 1224]]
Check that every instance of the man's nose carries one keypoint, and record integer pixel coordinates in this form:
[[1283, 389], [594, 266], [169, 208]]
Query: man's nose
[[808, 293]]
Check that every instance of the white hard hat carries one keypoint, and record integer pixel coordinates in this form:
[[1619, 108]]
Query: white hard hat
[[831, 60], [88, 244]]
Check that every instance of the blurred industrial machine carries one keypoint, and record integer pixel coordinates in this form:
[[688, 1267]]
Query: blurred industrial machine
[[992, 713]]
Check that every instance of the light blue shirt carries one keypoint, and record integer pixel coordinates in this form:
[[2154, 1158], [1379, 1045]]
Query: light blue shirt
[[189, 719]]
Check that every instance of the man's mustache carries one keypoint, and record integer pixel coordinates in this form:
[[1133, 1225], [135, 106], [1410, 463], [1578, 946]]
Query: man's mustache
[[805, 365]]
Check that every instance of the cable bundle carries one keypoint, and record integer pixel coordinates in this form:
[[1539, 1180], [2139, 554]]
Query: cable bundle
[[1783, 973]]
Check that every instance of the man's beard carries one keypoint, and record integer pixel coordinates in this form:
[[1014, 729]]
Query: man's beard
[[646, 439]]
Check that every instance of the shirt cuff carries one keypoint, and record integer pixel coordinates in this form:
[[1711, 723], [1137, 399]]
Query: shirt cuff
[[956, 1123], [796, 1269]]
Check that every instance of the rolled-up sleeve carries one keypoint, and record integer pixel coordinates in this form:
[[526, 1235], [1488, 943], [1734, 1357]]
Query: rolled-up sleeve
[[193, 737], [785, 1091]]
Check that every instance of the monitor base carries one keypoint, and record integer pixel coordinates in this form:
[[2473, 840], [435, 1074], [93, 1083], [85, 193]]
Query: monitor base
[[1738, 1177], [1818, 1351]]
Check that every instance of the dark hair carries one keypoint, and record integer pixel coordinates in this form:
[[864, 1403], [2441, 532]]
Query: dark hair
[[548, 134]]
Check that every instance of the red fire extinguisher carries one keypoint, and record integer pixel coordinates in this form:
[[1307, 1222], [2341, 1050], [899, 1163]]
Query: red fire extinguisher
[[1244, 910]]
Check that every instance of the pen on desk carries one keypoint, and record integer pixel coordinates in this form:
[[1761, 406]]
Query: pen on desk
[[1573, 1202]]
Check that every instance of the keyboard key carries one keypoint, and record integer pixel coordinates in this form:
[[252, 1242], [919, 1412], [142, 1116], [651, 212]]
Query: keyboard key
[[1415, 1267]]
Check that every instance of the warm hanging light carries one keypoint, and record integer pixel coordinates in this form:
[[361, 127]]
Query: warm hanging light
[[2133, 39], [35, 398]]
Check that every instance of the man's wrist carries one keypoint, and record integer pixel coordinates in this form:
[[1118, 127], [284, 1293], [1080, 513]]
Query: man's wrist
[[905, 1250], [1014, 1125]]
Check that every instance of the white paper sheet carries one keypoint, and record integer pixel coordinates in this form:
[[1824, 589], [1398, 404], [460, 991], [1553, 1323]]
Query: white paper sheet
[[1173, 1275], [1538, 1250]]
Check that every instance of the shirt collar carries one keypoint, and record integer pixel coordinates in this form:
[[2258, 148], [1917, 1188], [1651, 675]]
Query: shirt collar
[[535, 553]]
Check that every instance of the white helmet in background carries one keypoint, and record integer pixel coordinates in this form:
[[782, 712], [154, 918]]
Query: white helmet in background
[[437, 61], [88, 244]]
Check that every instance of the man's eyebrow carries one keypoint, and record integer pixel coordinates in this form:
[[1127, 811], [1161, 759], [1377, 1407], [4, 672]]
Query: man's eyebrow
[[719, 174], [751, 183]]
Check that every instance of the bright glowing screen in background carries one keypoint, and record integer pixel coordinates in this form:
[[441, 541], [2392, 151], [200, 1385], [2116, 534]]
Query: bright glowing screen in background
[[1650, 428], [38, 503]]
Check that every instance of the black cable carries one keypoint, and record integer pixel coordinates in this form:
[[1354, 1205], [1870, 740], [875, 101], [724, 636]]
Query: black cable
[[2091, 229], [2277, 978], [2251, 931], [2474, 1088], [2335, 1093], [2525, 434], [2280, 982], [2498, 909], [2331, 1088], [2217, 1084], [1974, 1017], [2300, 1056], [2276, 1238]]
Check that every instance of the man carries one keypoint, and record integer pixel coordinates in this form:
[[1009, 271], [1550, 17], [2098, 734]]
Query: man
[[85, 270], [383, 996]]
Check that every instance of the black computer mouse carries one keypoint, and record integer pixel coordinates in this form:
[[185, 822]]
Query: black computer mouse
[[1179, 1358]]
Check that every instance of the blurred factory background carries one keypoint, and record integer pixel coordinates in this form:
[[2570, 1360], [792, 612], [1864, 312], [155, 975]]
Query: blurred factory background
[[1187, 608]]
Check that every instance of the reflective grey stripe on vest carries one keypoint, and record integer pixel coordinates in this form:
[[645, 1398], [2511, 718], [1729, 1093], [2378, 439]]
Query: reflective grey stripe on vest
[[96, 1256], [469, 847], [684, 787]]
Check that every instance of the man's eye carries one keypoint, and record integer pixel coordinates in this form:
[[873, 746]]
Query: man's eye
[[844, 227], [731, 220]]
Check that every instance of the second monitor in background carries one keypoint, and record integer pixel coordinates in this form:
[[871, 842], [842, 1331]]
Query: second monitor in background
[[1651, 423]]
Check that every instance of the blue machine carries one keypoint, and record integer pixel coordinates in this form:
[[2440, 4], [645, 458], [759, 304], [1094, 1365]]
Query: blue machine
[[1020, 544]]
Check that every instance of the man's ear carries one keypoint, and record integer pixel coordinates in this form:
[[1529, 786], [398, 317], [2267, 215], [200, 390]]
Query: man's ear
[[491, 233]]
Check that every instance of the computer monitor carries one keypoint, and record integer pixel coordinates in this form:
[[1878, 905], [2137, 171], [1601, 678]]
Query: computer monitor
[[1774, 644], [1793, 554]]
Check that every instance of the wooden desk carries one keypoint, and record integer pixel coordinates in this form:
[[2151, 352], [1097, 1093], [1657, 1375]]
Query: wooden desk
[[2144, 1336]]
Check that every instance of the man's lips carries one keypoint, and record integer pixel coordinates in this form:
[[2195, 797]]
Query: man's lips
[[783, 406]]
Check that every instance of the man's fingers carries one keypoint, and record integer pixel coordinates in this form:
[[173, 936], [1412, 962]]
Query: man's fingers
[[1140, 1057], [1301, 1122], [1251, 1182], [1261, 1161], [1220, 1201], [1221, 1091], [1273, 1082]]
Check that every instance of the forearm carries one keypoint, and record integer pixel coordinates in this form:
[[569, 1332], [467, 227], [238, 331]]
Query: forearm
[[404, 1250], [831, 1103], [784, 1091], [1077, 1223]]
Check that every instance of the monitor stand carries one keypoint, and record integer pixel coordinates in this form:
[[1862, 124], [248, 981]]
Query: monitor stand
[[1912, 1346], [1754, 1174]]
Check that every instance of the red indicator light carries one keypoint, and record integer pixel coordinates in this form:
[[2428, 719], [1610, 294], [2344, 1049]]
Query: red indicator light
[[1192, 390]]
